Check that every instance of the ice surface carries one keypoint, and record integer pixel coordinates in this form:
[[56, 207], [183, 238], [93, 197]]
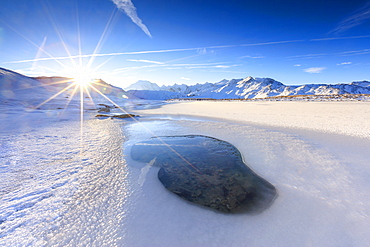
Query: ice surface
[[61, 185], [54, 186], [322, 196]]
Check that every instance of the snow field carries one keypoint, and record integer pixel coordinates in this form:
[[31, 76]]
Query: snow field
[[348, 118]]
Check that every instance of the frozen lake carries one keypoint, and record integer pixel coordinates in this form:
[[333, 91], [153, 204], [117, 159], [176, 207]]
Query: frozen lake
[[63, 187]]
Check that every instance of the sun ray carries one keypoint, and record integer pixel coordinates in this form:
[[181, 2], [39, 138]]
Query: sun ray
[[53, 83], [81, 114], [55, 95], [70, 98], [39, 53], [98, 46], [60, 82], [34, 44], [79, 36], [60, 37], [103, 63], [89, 95]]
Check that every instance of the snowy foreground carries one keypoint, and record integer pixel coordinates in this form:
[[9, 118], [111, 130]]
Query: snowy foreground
[[67, 183]]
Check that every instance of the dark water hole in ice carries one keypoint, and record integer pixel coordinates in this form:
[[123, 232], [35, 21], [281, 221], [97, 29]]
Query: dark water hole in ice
[[206, 171]]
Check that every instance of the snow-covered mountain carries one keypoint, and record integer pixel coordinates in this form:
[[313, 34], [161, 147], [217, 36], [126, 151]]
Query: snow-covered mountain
[[248, 88], [143, 85], [57, 84], [15, 86], [57, 91]]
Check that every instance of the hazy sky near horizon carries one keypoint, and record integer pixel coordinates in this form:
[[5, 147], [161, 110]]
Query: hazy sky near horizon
[[178, 41]]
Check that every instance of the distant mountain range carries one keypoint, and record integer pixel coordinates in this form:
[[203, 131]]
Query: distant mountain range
[[247, 88], [14, 86]]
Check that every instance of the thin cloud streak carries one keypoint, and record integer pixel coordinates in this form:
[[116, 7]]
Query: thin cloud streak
[[106, 54], [144, 61], [344, 63], [339, 38], [274, 43], [253, 57], [314, 70], [147, 52], [128, 7], [357, 18], [190, 49], [39, 53], [175, 66], [344, 53]]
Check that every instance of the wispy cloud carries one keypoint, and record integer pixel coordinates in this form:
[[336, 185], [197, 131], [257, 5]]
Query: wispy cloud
[[109, 54], [345, 63], [198, 50], [297, 65], [143, 61], [208, 66], [309, 55], [273, 43], [314, 70], [352, 53], [223, 66], [253, 57], [343, 53], [185, 78], [356, 18], [128, 7], [339, 38], [202, 51]]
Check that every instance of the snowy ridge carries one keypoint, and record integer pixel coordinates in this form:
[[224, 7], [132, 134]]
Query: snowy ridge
[[16, 86], [57, 92], [59, 83], [143, 85], [248, 88]]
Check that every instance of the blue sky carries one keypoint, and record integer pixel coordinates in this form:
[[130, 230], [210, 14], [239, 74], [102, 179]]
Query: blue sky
[[195, 41]]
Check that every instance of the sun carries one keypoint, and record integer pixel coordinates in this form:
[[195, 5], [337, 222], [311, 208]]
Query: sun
[[81, 75]]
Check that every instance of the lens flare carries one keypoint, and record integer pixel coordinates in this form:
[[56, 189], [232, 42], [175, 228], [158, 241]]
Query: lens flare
[[81, 75]]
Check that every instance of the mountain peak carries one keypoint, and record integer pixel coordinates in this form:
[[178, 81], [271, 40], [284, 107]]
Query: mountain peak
[[249, 78], [143, 85]]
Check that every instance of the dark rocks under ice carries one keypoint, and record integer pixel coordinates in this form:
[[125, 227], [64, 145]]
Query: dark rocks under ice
[[206, 171]]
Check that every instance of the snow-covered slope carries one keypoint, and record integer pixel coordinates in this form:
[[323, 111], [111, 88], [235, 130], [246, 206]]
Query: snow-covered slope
[[242, 89], [55, 92], [14, 86], [250, 88], [361, 83], [59, 83]]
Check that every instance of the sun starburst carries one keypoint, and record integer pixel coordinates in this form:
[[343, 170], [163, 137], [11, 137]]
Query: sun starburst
[[81, 75]]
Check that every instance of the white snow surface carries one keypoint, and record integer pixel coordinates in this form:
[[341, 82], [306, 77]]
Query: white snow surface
[[67, 182]]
